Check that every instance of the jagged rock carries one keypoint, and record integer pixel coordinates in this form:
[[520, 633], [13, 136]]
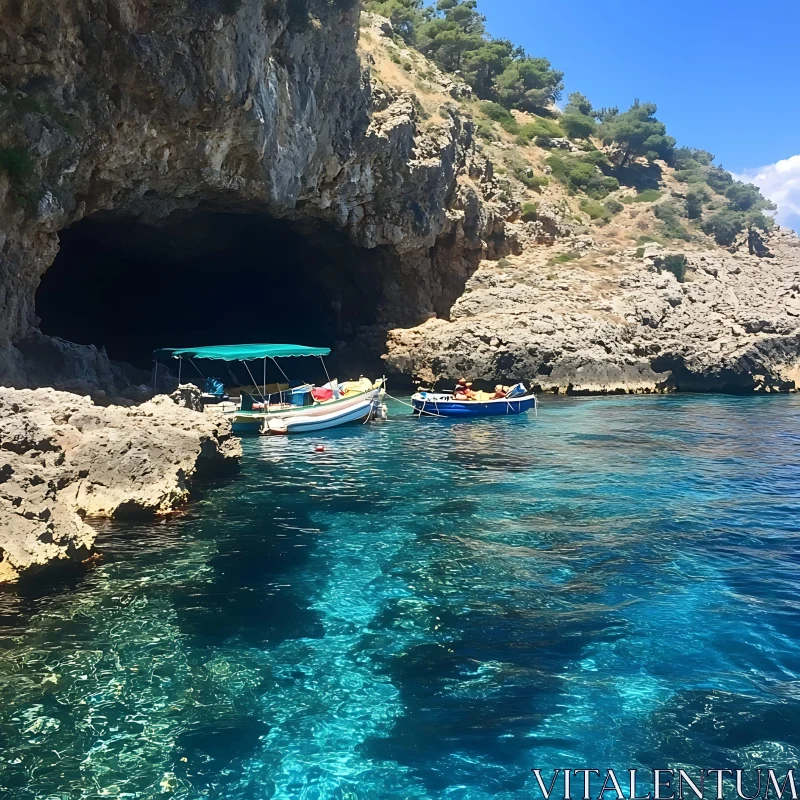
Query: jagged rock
[[187, 395], [734, 325], [557, 143], [63, 459]]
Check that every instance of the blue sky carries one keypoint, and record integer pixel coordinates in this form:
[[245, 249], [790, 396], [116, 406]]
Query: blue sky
[[724, 73]]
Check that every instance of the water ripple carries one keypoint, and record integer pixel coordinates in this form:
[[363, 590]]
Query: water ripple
[[428, 609]]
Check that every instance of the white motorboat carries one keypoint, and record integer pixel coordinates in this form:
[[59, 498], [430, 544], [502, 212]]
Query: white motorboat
[[361, 408]]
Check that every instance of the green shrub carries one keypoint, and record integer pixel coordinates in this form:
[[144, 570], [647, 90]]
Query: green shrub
[[540, 128], [690, 158], [610, 183], [578, 126], [563, 258], [613, 206], [580, 174], [671, 226], [676, 264], [17, 163], [595, 210], [724, 226], [647, 196], [529, 211], [536, 182], [502, 115], [559, 167], [694, 203], [690, 176], [596, 157], [744, 196], [640, 252], [719, 179], [523, 172], [485, 130]]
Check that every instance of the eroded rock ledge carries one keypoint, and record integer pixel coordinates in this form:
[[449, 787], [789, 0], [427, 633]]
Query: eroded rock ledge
[[64, 459], [599, 323]]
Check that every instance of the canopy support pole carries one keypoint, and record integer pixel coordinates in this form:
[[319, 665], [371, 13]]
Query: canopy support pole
[[265, 373], [281, 371], [254, 383], [155, 375], [180, 364], [325, 368]]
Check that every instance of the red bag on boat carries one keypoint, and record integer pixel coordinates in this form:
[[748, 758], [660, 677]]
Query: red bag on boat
[[321, 395]]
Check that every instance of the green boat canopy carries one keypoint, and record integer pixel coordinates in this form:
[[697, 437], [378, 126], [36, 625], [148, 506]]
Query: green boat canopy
[[244, 352]]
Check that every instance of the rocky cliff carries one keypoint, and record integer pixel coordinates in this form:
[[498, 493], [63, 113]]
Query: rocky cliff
[[304, 113], [64, 459], [598, 322], [145, 108]]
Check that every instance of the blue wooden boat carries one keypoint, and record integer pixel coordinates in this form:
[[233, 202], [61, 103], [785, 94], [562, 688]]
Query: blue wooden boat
[[435, 404]]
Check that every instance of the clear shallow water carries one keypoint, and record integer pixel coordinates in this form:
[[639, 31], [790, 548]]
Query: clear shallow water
[[429, 609]]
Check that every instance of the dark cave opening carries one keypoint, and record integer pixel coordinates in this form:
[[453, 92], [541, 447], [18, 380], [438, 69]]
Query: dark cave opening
[[206, 277]]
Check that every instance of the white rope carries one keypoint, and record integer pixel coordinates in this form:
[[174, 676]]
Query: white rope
[[191, 361], [420, 411], [279, 368]]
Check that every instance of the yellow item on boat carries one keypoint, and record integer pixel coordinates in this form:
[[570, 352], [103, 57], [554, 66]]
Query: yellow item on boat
[[356, 387]]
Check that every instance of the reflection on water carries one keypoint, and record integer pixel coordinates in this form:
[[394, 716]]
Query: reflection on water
[[429, 609]]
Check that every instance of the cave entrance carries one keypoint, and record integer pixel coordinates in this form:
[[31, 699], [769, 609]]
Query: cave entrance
[[205, 277]]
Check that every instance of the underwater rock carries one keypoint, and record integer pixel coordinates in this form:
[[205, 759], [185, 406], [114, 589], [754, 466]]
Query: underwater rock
[[63, 459]]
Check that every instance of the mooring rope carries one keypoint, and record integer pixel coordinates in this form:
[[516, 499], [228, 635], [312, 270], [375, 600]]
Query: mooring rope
[[419, 411]]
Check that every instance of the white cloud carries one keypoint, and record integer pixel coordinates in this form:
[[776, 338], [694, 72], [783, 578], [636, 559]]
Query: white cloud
[[780, 182]]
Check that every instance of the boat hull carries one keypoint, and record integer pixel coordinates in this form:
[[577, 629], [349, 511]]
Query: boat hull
[[352, 413], [256, 421], [444, 406]]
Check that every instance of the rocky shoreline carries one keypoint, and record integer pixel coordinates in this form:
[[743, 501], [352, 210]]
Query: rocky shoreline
[[600, 323], [64, 460]]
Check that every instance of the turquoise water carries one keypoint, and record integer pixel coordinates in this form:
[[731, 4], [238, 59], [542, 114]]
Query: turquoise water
[[429, 609]]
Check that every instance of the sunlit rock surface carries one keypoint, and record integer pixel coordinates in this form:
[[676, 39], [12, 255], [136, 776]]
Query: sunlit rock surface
[[63, 459], [600, 323]]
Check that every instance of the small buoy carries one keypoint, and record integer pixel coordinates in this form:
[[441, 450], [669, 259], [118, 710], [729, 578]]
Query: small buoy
[[320, 448]]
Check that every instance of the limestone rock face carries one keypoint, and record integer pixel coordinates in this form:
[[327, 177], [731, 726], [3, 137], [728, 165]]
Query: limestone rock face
[[141, 108], [600, 323], [63, 459]]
